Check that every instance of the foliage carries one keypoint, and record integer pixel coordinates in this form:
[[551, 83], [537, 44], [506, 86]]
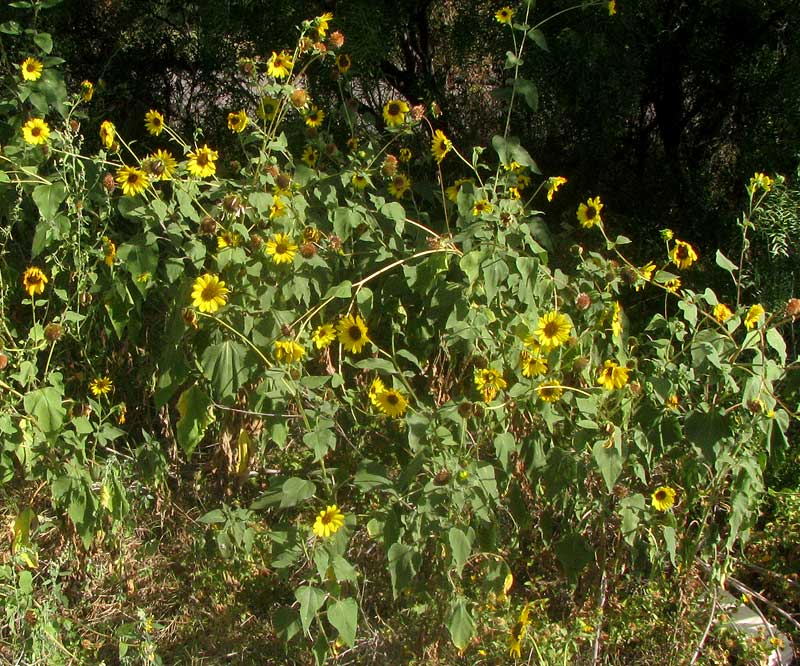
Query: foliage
[[399, 393]]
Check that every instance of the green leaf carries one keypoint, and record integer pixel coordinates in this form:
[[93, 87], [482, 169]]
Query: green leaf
[[44, 41], [705, 430], [45, 406], [342, 290], [343, 615], [670, 541], [631, 508], [460, 623], [725, 263], [212, 517], [609, 461], [402, 566], [776, 341], [195, 417], [311, 600], [574, 553], [48, 198], [512, 60], [460, 547], [223, 365], [345, 220], [296, 490], [529, 92], [538, 38], [509, 151]]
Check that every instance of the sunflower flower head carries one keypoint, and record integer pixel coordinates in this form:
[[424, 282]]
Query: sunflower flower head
[[391, 402], [722, 313], [279, 65], [663, 498], [315, 116], [343, 63], [34, 281], [589, 213], [237, 121], [87, 90], [440, 145], [549, 391], [504, 15], [328, 522], [533, 364], [209, 293], [399, 185], [552, 330], [683, 254], [31, 69], [281, 249], [352, 333], [481, 207], [132, 180], [160, 165], [203, 162], [753, 316], [154, 122], [35, 131], [101, 386], [553, 184], [323, 335], [288, 351], [394, 112], [489, 381], [107, 134], [612, 376]]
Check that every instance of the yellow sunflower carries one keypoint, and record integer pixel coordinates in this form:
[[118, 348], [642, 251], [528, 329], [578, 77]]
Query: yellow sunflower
[[154, 122], [399, 185], [237, 121], [34, 281], [109, 251], [352, 333], [281, 249], [612, 7], [35, 131], [107, 134], [612, 376], [722, 313], [440, 145], [328, 522], [31, 69], [589, 213], [663, 498], [322, 24], [549, 391], [87, 91], [343, 63], [377, 387], [209, 293], [452, 191], [133, 181], [202, 162], [323, 335], [101, 386], [160, 165], [489, 381], [394, 112], [279, 65], [552, 330], [391, 402], [553, 184], [405, 155], [683, 254], [310, 156], [616, 319], [359, 181], [288, 351], [753, 315], [673, 285], [533, 365], [481, 207], [268, 108], [315, 116], [504, 15]]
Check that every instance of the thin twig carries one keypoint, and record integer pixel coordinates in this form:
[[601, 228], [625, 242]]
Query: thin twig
[[704, 637]]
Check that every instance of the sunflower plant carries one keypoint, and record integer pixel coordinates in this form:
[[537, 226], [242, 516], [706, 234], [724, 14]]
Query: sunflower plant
[[407, 392]]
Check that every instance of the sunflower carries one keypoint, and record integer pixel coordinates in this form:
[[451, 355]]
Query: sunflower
[[279, 65], [310, 156], [440, 145], [533, 365], [683, 254], [452, 191], [550, 391], [359, 180], [481, 206], [392, 403], [405, 154], [552, 330], [281, 249], [87, 91], [34, 280], [323, 335], [343, 63], [101, 386], [394, 112], [504, 15], [268, 108], [160, 165], [109, 251], [154, 122], [616, 319], [31, 69], [228, 239], [722, 313], [760, 180], [315, 116], [612, 376], [288, 351], [753, 315], [35, 131], [489, 381], [322, 24], [673, 285], [277, 209], [399, 185], [375, 389], [237, 121], [352, 144], [132, 180], [107, 134], [589, 213], [328, 522], [202, 162], [663, 498], [612, 7], [552, 186], [352, 333], [646, 272], [518, 632], [209, 293]]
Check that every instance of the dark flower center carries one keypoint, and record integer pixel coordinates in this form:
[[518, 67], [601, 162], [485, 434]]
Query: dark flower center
[[394, 109], [682, 252], [354, 332], [36, 131], [392, 399], [661, 495], [551, 329], [591, 212], [280, 248], [202, 159]]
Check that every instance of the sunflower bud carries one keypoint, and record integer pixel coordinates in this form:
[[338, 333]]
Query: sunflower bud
[[336, 39], [418, 112], [283, 181], [793, 307], [636, 388], [256, 241], [74, 125], [273, 171], [298, 98], [465, 410], [580, 364], [442, 477], [335, 242], [583, 301], [108, 183], [52, 332], [389, 167], [189, 317], [208, 225], [308, 250], [3, 361]]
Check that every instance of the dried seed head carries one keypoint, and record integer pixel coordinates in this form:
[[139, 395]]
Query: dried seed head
[[336, 39], [308, 250], [793, 307], [389, 167], [283, 181], [108, 183], [52, 332], [208, 225], [583, 301], [298, 98]]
